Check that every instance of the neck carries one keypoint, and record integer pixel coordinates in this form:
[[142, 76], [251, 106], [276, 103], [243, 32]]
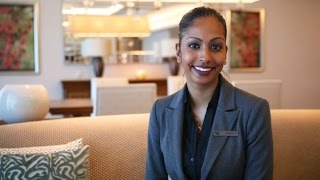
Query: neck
[[201, 94], [200, 97]]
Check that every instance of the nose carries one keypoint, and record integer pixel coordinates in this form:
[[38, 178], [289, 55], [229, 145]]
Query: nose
[[205, 54]]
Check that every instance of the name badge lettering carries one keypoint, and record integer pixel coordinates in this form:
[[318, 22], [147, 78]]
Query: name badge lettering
[[226, 133]]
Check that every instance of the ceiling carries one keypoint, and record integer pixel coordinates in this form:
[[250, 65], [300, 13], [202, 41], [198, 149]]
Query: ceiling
[[160, 14], [140, 7], [135, 7]]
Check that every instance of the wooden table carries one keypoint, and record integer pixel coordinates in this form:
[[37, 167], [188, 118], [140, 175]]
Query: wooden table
[[71, 107], [76, 88]]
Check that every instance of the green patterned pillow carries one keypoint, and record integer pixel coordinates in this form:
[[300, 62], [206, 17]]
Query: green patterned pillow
[[67, 164]]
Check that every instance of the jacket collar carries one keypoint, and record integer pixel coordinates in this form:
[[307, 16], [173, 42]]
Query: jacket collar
[[174, 120], [225, 119]]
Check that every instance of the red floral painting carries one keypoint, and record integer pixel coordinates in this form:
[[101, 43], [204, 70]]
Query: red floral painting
[[245, 39], [17, 43]]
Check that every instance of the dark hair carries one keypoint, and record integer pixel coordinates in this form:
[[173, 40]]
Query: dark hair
[[187, 20]]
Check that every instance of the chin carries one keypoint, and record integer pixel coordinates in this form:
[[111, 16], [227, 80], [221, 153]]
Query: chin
[[205, 80]]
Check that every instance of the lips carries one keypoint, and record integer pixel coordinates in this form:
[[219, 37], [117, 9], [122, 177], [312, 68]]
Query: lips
[[203, 70]]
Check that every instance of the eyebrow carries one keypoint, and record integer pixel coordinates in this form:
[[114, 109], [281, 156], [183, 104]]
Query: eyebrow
[[210, 40]]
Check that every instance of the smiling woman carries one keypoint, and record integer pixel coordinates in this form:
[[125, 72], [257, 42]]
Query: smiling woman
[[208, 126], [202, 50]]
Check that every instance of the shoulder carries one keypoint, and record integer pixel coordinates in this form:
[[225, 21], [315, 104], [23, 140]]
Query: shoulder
[[251, 107], [172, 103], [164, 102], [159, 110], [234, 98]]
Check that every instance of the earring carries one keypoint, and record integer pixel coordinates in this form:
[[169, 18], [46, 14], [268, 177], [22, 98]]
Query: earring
[[178, 59]]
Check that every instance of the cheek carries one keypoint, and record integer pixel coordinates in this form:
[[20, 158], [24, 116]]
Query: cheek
[[221, 59], [187, 59]]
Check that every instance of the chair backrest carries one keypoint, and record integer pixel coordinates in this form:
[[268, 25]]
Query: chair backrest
[[175, 83], [267, 89], [99, 82], [125, 99], [110, 81]]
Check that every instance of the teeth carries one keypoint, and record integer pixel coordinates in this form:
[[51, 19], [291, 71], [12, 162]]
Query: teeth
[[202, 69]]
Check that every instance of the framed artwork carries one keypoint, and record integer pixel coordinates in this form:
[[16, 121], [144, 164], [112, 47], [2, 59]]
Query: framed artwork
[[246, 40], [19, 37]]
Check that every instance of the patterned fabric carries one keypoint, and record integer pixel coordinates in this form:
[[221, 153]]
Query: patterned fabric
[[69, 164], [44, 149]]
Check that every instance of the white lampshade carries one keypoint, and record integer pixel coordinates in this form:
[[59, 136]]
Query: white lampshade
[[109, 26], [94, 47]]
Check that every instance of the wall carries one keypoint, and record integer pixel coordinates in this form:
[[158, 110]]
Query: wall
[[292, 43], [291, 53], [52, 69]]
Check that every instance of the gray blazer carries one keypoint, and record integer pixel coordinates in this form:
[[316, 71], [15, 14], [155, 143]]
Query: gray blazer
[[240, 145]]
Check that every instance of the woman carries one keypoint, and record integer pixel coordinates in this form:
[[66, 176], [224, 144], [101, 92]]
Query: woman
[[209, 129]]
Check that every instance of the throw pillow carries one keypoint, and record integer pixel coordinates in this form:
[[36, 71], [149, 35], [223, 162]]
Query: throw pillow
[[43, 149], [64, 164]]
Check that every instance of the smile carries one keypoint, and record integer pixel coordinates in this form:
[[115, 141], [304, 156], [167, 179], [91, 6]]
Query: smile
[[202, 69]]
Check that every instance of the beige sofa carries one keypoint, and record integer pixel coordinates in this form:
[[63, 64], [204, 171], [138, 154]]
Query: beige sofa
[[118, 143]]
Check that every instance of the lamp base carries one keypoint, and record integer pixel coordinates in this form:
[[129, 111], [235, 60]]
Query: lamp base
[[98, 66]]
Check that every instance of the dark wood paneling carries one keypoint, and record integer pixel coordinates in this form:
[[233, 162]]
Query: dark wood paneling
[[76, 88]]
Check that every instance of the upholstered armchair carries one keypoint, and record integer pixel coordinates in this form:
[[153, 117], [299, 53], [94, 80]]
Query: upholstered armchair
[[124, 99], [98, 82]]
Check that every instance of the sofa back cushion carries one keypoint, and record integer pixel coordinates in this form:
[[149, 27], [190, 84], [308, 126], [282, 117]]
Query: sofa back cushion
[[296, 143], [118, 143]]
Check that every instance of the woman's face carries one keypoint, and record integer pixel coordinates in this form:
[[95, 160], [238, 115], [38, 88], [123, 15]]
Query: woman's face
[[202, 51]]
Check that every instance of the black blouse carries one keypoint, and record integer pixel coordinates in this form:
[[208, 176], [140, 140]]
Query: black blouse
[[195, 145]]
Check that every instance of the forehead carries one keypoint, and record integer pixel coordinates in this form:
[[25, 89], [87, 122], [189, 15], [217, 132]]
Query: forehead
[[206, 26]]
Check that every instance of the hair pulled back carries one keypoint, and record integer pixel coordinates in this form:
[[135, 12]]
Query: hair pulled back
[[199, 12]]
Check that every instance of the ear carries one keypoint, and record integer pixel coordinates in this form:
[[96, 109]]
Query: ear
[[225, 62], [178, 53]]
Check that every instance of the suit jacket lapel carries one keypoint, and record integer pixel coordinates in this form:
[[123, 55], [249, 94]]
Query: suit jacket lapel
[[174, 119], [225, 118]]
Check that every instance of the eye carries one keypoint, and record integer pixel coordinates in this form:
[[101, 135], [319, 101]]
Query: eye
[[216, 47], [194, 45]]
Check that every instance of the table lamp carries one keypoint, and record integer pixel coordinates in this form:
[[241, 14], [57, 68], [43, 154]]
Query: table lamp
[[95, 48]]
